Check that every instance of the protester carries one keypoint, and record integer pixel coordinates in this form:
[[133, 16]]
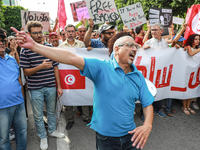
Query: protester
[[72, 42], [192, 45], [110, 118], [63, 35], [13, 47], [12, 109], [156, 41], [81, 32], [41, 88], [105, 33], [54, 39], [140, 35]]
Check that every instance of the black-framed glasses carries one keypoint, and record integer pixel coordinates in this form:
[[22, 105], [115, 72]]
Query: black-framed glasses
[[110, 33], [37, 33], [3, 41], [130, 45]]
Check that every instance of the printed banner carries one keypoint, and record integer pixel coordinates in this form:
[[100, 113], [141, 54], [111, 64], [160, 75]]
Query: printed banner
[[42, 17], [174, 73], [75, 6], [132, 15], [102, 11], [162, 15]]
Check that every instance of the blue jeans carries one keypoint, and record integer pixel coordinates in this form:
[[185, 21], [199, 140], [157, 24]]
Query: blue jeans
[[37, 98], [16, 117], [168, 103], [114, 143]]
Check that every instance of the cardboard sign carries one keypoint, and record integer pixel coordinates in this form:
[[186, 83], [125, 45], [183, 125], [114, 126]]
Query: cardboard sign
[[82, 13], [102, 11], [42, 17], [162, 15], [177, 20], [75, 6], [133, 15]]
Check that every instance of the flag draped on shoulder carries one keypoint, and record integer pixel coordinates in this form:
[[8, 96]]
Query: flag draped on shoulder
[[193, 20], [62, 14]]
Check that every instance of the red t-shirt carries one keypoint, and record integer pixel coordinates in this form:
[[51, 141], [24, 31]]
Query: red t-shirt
[[139, 41]]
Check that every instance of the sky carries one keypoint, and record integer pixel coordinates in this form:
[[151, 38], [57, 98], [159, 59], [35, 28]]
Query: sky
[[50, 6]]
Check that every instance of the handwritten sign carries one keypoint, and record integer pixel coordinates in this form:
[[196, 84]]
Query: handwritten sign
[[162, 15], [42, 17], [75, 6], [82, 13], [102, 11], [177, 20], [132, 15]]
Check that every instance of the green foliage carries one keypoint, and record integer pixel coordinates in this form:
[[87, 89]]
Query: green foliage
[[2, 25], [12, 16]]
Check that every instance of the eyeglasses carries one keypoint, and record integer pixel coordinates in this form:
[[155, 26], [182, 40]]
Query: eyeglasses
[[3, 41], [63, 34], [155, 29], [130, 45], [110, 33], [70, 31], [37, 33]]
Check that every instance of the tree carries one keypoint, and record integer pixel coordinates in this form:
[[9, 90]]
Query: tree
[[12, 16], [2, 25]]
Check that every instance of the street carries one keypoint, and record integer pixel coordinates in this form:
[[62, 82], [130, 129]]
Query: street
[[180, 132]]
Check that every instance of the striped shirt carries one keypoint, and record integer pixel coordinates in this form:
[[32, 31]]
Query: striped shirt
[[42, 78]]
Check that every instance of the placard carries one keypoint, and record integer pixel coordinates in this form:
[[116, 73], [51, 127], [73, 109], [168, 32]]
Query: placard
[[177, 20], [82, 13], [102, 11], [42, 17], [162, 15], [133, 15], [75, 6]]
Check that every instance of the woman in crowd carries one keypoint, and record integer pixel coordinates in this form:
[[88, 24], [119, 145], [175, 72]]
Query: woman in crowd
[[192, 46]]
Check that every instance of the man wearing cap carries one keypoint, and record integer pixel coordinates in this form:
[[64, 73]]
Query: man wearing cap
[[12, 108], [54, 40], [42, 77], [105, 33]]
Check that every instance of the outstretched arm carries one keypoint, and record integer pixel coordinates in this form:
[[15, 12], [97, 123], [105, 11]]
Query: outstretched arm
[[56, 54], [141, 133]]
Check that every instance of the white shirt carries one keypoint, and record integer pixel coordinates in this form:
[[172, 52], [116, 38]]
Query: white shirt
[[153, 42]]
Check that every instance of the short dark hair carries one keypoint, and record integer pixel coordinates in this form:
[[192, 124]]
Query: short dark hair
[[31, 24], [138, 29], [70, 25]]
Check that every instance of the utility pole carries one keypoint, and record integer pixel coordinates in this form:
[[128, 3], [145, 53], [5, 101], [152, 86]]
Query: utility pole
[[10, 3]]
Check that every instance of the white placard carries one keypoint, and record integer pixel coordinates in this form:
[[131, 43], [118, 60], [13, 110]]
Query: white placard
[[133, 15], [102, 11], [42, 17], [177, 20]]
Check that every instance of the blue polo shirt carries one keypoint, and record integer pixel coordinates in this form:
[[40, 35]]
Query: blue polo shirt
[[114, 97], [10, 89], [96, 43]]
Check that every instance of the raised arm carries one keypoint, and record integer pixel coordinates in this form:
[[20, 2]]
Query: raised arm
[[56, 54], [147, 33], [88, 33]]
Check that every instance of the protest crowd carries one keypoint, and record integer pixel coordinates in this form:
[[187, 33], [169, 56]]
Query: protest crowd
[[28, 71]]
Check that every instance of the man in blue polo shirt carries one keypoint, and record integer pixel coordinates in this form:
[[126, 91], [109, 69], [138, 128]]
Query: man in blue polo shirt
[[12, 109], [117, 86]]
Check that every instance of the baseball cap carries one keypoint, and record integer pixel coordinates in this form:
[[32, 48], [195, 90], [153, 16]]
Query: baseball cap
[[181, 39], [105, 27], [2, 33], [53, 33]]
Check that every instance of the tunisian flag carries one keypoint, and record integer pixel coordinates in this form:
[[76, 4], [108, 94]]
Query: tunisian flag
[[62, 14], [193, 20]]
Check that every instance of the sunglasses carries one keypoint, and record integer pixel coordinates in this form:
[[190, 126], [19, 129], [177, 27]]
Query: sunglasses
[[110, 33], [3, 41], [63, 34]]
